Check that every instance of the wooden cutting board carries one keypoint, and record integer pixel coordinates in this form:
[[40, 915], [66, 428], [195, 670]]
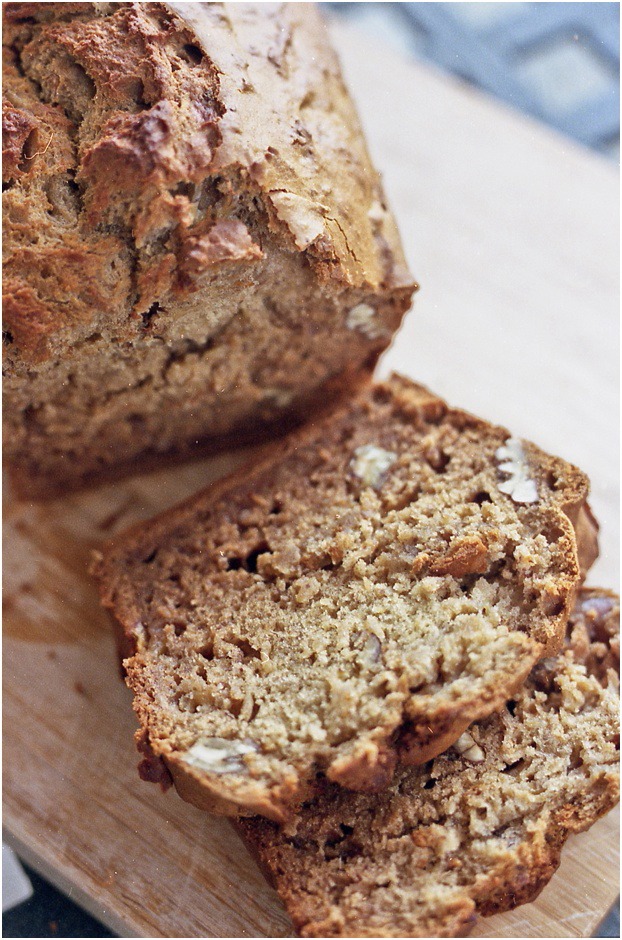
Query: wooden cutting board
[[512, 232]]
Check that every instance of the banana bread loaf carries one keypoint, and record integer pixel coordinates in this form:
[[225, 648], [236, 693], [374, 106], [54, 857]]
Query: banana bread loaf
[[383, 579], [197, 246], [478, 830]]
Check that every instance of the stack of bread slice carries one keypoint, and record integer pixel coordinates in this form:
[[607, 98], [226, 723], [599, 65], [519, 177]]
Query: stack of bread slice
[[480, 829], [371, 642]]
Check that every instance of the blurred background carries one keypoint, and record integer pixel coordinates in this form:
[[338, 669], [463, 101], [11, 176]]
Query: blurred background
[[558, 62]]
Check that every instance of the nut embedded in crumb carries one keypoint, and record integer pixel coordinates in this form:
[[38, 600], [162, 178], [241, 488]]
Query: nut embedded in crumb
[[466, 556], [363, 318], [279, 397], [370, 463], [376, 211], [219, 756], [467, 748], [373, 648], [519, 485]]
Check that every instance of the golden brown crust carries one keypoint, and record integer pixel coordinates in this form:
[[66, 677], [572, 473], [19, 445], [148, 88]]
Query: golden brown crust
[[191, 217], [303, 542], [478, 831], [292, 70], [151, 768], [250, 800], [586, 528]]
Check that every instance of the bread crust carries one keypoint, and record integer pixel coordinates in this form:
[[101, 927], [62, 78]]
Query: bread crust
[[191, 217], [428, 722]]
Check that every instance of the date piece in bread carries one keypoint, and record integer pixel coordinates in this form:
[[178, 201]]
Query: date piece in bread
[[196, 245], [386, 577], [478, 830]]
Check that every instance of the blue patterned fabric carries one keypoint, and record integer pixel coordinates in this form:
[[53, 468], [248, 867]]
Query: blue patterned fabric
[[559, 62]]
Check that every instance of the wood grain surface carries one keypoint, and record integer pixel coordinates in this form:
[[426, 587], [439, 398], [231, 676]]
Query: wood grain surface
[[512, 232]]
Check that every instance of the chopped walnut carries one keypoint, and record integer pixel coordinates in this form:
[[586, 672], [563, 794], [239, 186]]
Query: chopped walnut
[[373, 648], [369, 647], [519, 485], [279, 397], [467, 748], [376, 212], [370, 463], [219, 756], [363, 318], [466, 556], [303, 217]]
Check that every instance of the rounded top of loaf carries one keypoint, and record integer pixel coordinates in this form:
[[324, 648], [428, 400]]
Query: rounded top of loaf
[[147, 145]]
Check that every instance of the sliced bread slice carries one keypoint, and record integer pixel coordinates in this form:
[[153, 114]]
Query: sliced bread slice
[[383, 579], [478, 830]]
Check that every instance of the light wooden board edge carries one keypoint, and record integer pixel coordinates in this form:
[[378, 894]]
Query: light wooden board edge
[[89, 900]]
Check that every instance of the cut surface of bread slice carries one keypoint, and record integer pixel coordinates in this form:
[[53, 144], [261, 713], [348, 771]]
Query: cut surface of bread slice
[[383, 579], [479, 829]]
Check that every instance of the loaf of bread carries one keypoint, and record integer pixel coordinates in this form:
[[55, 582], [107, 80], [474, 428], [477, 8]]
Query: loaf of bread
[[386, 577], [197, 246], [478, 830]]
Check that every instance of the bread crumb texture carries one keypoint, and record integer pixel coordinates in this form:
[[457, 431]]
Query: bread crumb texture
[[190, 217], [332, 617], [461, 836]]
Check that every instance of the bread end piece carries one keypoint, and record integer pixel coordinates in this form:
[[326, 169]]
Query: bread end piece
[[197, 246]]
